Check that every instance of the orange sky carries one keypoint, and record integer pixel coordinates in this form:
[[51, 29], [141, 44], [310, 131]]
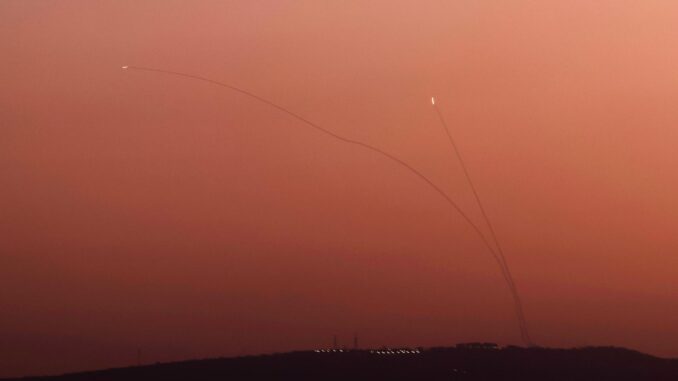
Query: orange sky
[[146, 211]]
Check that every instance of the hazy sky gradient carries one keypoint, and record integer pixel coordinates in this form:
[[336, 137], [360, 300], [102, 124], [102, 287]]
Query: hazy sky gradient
[[146, 211]]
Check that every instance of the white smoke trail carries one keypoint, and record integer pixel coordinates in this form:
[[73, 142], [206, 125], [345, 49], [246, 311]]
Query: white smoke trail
[[500, 260]]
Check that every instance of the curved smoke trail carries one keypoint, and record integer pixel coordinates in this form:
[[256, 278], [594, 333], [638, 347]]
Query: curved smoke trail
[[389, 156], [504, 264]]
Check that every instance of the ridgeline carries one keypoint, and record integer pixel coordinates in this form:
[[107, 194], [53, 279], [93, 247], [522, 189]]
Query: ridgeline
[[480, 361]]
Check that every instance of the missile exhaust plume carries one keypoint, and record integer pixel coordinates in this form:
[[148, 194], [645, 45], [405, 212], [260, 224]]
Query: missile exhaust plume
[[369, 147], [500, 252]]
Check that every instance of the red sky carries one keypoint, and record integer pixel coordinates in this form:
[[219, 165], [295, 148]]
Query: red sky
[[146, 211]]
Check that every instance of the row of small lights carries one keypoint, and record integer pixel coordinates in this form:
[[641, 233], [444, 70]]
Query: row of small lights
[[384, 352], [396, 352]]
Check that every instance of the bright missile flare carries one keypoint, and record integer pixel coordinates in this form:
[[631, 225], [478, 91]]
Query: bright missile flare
[[125, 67], [433, 101]]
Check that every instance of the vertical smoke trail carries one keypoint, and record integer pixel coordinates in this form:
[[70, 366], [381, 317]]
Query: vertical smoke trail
[[503, 263], [389, 156]]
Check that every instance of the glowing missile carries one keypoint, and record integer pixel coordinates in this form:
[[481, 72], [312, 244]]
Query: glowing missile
[[433, 101], [125, 67]]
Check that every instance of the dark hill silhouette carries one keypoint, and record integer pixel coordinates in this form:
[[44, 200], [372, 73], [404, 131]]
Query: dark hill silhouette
[[467, 362]]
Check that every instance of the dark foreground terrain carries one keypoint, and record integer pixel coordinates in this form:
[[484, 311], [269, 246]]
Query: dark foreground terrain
[[511, 363]]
